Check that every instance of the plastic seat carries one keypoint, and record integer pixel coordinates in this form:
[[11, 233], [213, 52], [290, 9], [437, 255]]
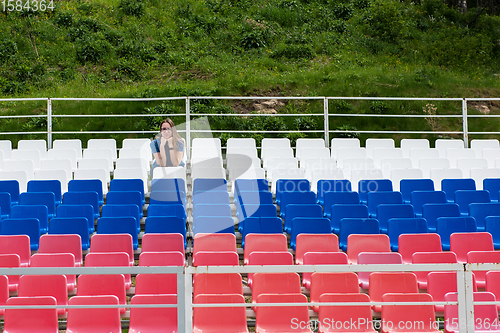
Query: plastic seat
[[169, 173], [11, 261], [366, 243], [262, 258], [12, 187], [4, 292], [217, 283], [301, 210], [85, 185], [215, 258], [462, 243], [158, 283], [350, 226], [443, 144], [398, 174], [485, 315], [22, 226], [58, 176], [67, 157], [492, 226], [399, 226], [213, 224], [385, 212], [431, 258], [419, 198], [38, 212], [168, 198], [103, 319], [446, 226], [109, 284], [308, 225], [482, 257], [119, 225], [282, 185], [493, 283], [113, 210], [335, 198], [113, 259], [441, 283], [128, 185], [209, 184], [465, 197], [56, 260], [345, 314], [113, 243], [431, 211], [255, 210], [340, 211], [264, 242], [337, 143], [214, 242], [277, 283], [16, 244], [261, 225], [219, 319], [278, 319], [166, 225], [380, 258], [162, 243], [382, 197], [253, 197], [321, 258], [5, 205], [176, 210], [409, 185], [20, 177], [250, 185], [306, 197], [153, 319], [85, 211], [437, 175], [71, 225], [314, 243], [168, 184], [364, 173], [211, 197], [31, 320], [492, 185], [408, 313], [449, 186], [70, 243], [366, 186], [83, 198], [125, 197], [45, 285], [211, 210], [479, 211], [399, 165], [43, 186], [331, 185], [391, 282], [326, 283]]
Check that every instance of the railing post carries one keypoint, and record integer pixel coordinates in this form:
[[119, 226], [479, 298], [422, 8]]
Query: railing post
[[188, 300], [49, 123], [181, 302], [465, 123], [326, 123], [188, 128], [465, 298]]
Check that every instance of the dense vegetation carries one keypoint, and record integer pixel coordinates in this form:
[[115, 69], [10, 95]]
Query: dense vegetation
[[152, 48]]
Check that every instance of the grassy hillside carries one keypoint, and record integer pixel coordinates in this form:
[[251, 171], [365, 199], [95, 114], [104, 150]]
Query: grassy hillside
[[148, 48]]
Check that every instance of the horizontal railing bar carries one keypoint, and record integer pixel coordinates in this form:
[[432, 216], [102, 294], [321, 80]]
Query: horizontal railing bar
[[96, 306], [482, 99], [257, 114], [108, 132], [398, 98], [23, 99], [12, 133], [91, 270], [117, 115], [117, 99], [393, 115], [25, 116], [396, 132], [251, 305], [256, 97], [482, 266]]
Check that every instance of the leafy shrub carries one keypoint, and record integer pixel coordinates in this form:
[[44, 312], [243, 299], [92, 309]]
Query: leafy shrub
[[129, 68], [294, 136], [388, 19], [63, 19], [293, 51], [132, 7], [305, 124], [8, 49], [92, 49], [343, 11], [378, 107], [351, 131], [255, 34]]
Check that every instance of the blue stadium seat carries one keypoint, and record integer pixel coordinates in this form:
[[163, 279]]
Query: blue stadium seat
[[40, 198], [400, 226], [212, 197], [306, 197], [290, 185], [252, 197], [83, 198], [168, 184], [32, 211], [86, 211], [419, 198], [84, 185], [448, 225], [449, 186], [479, 211], [22, 226], [261, 225], [366, 186], [350, 226], [209, 184], [334, 198], [53, 186], [406, 186], [118, 225], [340, 211], [299, 210], [465, 197], [5, 204], [176, 210], [389, 211], [430, 212], [250, 185], [166, 224], [382, 197], [71, 225], [492, 225], [167, 198], [213, 225], [124, 198], [309, 225], [128, 185], [110, 210], [331, 185], [256, 210], [12, 187], [211, 210], [492, 185]]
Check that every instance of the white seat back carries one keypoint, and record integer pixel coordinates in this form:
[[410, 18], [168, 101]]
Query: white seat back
[[444, 144], [6, 148], [40, 145], [75, 144], [20, 175], [398, 174], [100, 174], [21, 165], [59, 164], [408, 144], [103, 144], [343, 143], [437, 175], [27, 154], [54, 174], [64, 154]]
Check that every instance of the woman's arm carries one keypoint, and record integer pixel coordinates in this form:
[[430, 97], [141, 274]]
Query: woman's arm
[[175, 156]]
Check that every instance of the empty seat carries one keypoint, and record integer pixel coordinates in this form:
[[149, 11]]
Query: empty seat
[[340, 211], [373, 143], [366, 243], [62, 244], [85, 211], [175, 210], [31, 320], [398, 174], [278, 319], [321, 258], [16, 244], [166, 225], [411, 243], [158, 283], [168, 184], [113, 243], [300, 210], [75, 144], [315, 243], [123, 210], [160, 242], [262, 258], [11, 261], [261, 225], [331, 185], [390, 211], [441, 283], [19, 176], [345, 314], [264, 242], [124, 198], [391, 282], [83, 185], [12, 187], [84, 198], [449, 186], [118, 184], [250, 185], [153, 319], [211, 210], [279, 283], [443, 144], [479, 211], [209, 184], [38, 212], [215, 197], [446, 226], [103, 144], [306, 197], [119, 225], [492, 185], [110, 284], [337, 143], [431, 258], [379, 258], [465, 197], [22, 226], [215, 283], [399, 226], [56, 260], [289, 184], [479, 175], [215, 258], [308, 225], [67, 158], [482, 257], [103, 319], [334, 198], [40, 198], [366, 186], [43, 186], [71, 225], [492, 283], [323, 283], [437, 175], [409, 185], [431, 211], [45, 285], [485, 315], [213, 224], [214, 242], [113, 259], [350, 226], [382, 197], [419, 198], [92, 174], [462, 243], [219, 319]]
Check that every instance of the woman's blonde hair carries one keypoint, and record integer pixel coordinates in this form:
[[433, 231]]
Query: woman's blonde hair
[[176, 137]]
